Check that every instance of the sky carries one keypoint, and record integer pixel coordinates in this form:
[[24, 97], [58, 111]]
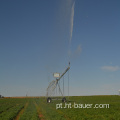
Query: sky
[[38, 38]]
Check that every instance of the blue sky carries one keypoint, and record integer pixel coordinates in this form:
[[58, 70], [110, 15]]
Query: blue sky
[[38, 38]]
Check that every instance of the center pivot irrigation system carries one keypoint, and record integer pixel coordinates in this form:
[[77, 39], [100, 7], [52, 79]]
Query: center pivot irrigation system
[[53, 85]]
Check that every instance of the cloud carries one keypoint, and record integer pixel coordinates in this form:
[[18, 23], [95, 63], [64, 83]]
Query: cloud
[[71, 21], [110, 68]]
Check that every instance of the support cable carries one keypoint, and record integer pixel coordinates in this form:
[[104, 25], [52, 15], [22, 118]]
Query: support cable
[[63, 85], [68, 85]]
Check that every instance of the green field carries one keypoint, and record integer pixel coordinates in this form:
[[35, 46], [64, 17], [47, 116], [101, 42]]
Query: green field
[[77, 108]]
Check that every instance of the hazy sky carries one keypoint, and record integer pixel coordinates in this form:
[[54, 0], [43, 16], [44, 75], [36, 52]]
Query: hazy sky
[[40, 37]]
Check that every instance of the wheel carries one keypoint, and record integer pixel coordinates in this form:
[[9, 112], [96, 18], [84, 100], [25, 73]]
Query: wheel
[[49, 100], [64, 99]]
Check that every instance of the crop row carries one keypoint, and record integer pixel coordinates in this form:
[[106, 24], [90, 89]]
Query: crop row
[[30, 113], [49, 111], [6, 104], [11, 113]]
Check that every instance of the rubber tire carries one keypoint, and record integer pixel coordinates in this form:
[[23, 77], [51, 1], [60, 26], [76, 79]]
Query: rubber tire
[[49, 100], [64, 100]]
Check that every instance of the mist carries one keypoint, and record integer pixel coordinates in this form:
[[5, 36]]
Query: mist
[[62, 37]]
